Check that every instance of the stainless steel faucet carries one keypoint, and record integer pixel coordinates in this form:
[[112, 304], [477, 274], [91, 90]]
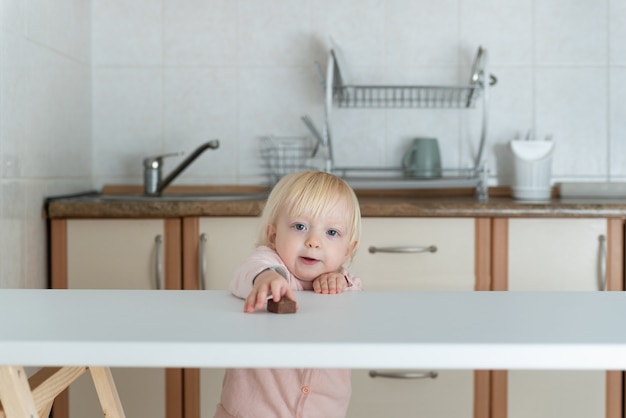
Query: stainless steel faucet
[[152, 169]]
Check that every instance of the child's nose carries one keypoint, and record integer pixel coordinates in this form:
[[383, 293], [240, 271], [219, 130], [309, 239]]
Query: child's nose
[[312, 241]]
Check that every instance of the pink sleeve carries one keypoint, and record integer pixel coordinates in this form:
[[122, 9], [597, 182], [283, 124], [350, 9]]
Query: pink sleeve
[[261, 259], [355, 282]]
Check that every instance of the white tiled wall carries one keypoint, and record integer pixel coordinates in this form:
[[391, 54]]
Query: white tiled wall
[[89, 88], [170, 74], [45, 125]]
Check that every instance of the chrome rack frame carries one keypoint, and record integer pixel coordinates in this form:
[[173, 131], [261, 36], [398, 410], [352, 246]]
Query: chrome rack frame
[[344, 95]]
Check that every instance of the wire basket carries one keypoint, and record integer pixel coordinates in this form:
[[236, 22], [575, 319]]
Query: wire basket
[[286, 154]]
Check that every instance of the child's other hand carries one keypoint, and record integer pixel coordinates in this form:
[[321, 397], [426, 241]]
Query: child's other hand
[[268, 283], [330, 283]]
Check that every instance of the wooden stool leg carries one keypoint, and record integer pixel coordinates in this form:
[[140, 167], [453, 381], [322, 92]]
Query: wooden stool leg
[[107, 392], [45, 411], [49, 382], [17, 399]]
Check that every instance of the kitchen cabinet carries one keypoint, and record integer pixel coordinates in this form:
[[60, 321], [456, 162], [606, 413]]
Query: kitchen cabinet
[[575, 254], [472, 254], [120, 254], [216, 245], [417, 254]]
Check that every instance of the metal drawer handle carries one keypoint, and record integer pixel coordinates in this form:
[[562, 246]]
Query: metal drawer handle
[[602, 261], [404, 375], [403, 250], [158, 245], [202, 261]]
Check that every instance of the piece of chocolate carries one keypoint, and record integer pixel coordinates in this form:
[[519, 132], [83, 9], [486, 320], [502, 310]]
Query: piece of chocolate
[[284, 305]]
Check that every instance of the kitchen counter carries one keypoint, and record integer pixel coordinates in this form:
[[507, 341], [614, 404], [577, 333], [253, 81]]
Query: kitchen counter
[[420, 330], [405, 203]]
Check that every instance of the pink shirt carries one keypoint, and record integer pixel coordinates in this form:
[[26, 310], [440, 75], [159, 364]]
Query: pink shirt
[[282, 393]]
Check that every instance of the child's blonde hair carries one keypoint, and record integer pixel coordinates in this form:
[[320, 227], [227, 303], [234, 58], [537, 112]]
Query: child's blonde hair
[[310, 193]]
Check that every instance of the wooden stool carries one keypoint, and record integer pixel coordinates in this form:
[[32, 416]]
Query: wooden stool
[[22, 398]]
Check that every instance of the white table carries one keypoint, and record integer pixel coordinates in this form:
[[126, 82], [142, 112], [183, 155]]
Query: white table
[[444, 330], [419, 330]]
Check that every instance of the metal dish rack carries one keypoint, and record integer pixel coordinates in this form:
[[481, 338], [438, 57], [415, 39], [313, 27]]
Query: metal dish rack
[[285, 155], [341, 93], [405, 96]]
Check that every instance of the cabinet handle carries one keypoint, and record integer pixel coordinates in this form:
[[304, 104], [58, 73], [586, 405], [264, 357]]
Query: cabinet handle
[[403, 250], [602, 261], [404, 375], [202, 262], [158, 244]]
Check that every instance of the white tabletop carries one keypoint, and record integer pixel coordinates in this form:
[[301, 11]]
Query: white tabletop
[[444, 330]]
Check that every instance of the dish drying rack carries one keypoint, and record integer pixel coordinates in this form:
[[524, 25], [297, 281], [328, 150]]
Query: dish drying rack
[[286, 154], [339, 92]]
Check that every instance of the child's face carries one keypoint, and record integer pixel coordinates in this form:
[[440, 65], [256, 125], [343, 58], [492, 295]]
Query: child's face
[[313, 246]]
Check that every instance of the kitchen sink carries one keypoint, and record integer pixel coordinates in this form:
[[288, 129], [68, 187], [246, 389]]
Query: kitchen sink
[[203, 197]]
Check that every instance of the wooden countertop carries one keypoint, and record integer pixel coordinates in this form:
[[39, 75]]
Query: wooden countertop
[[399, 203], [446, 330]]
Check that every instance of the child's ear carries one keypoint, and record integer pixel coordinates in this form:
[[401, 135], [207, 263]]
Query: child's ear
[[271, 235]]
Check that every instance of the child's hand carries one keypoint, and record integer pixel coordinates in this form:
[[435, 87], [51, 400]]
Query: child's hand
[[330, 283], [268, 283]]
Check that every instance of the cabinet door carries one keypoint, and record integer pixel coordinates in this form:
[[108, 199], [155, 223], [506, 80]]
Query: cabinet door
[[117, 254], [450, 267], [551, 255], [224, 243]]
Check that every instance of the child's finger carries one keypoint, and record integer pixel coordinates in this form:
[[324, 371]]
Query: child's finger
[[316, 286], [289, 294], [261, 297], [332, 285]]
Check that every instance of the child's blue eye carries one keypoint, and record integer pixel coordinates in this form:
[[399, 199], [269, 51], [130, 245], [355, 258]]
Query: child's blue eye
[[299, 227], [332, 233]]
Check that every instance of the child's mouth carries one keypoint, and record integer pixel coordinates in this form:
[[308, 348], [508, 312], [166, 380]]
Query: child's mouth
[[307, 260]]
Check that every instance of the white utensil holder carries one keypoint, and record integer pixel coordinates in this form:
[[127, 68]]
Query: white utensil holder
[[533, 169]]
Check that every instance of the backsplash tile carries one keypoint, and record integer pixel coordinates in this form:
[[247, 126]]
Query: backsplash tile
[[60, 25], [198, 32], [272, 100], [617, 32], [273, 33], [384, 41], [201, 105], [358, 26], [127, 33], [12, 16], [571, 33], [576, 117], [510, 115], [504, 27], [421, 33], [617, 127], [127, 120], [45, 125]]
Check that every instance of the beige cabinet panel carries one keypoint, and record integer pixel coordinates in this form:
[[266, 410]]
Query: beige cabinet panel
[[449, 395], [228, 240], [116, 254], [451, 267], [547, 394], [553, 255], [113, 253]]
